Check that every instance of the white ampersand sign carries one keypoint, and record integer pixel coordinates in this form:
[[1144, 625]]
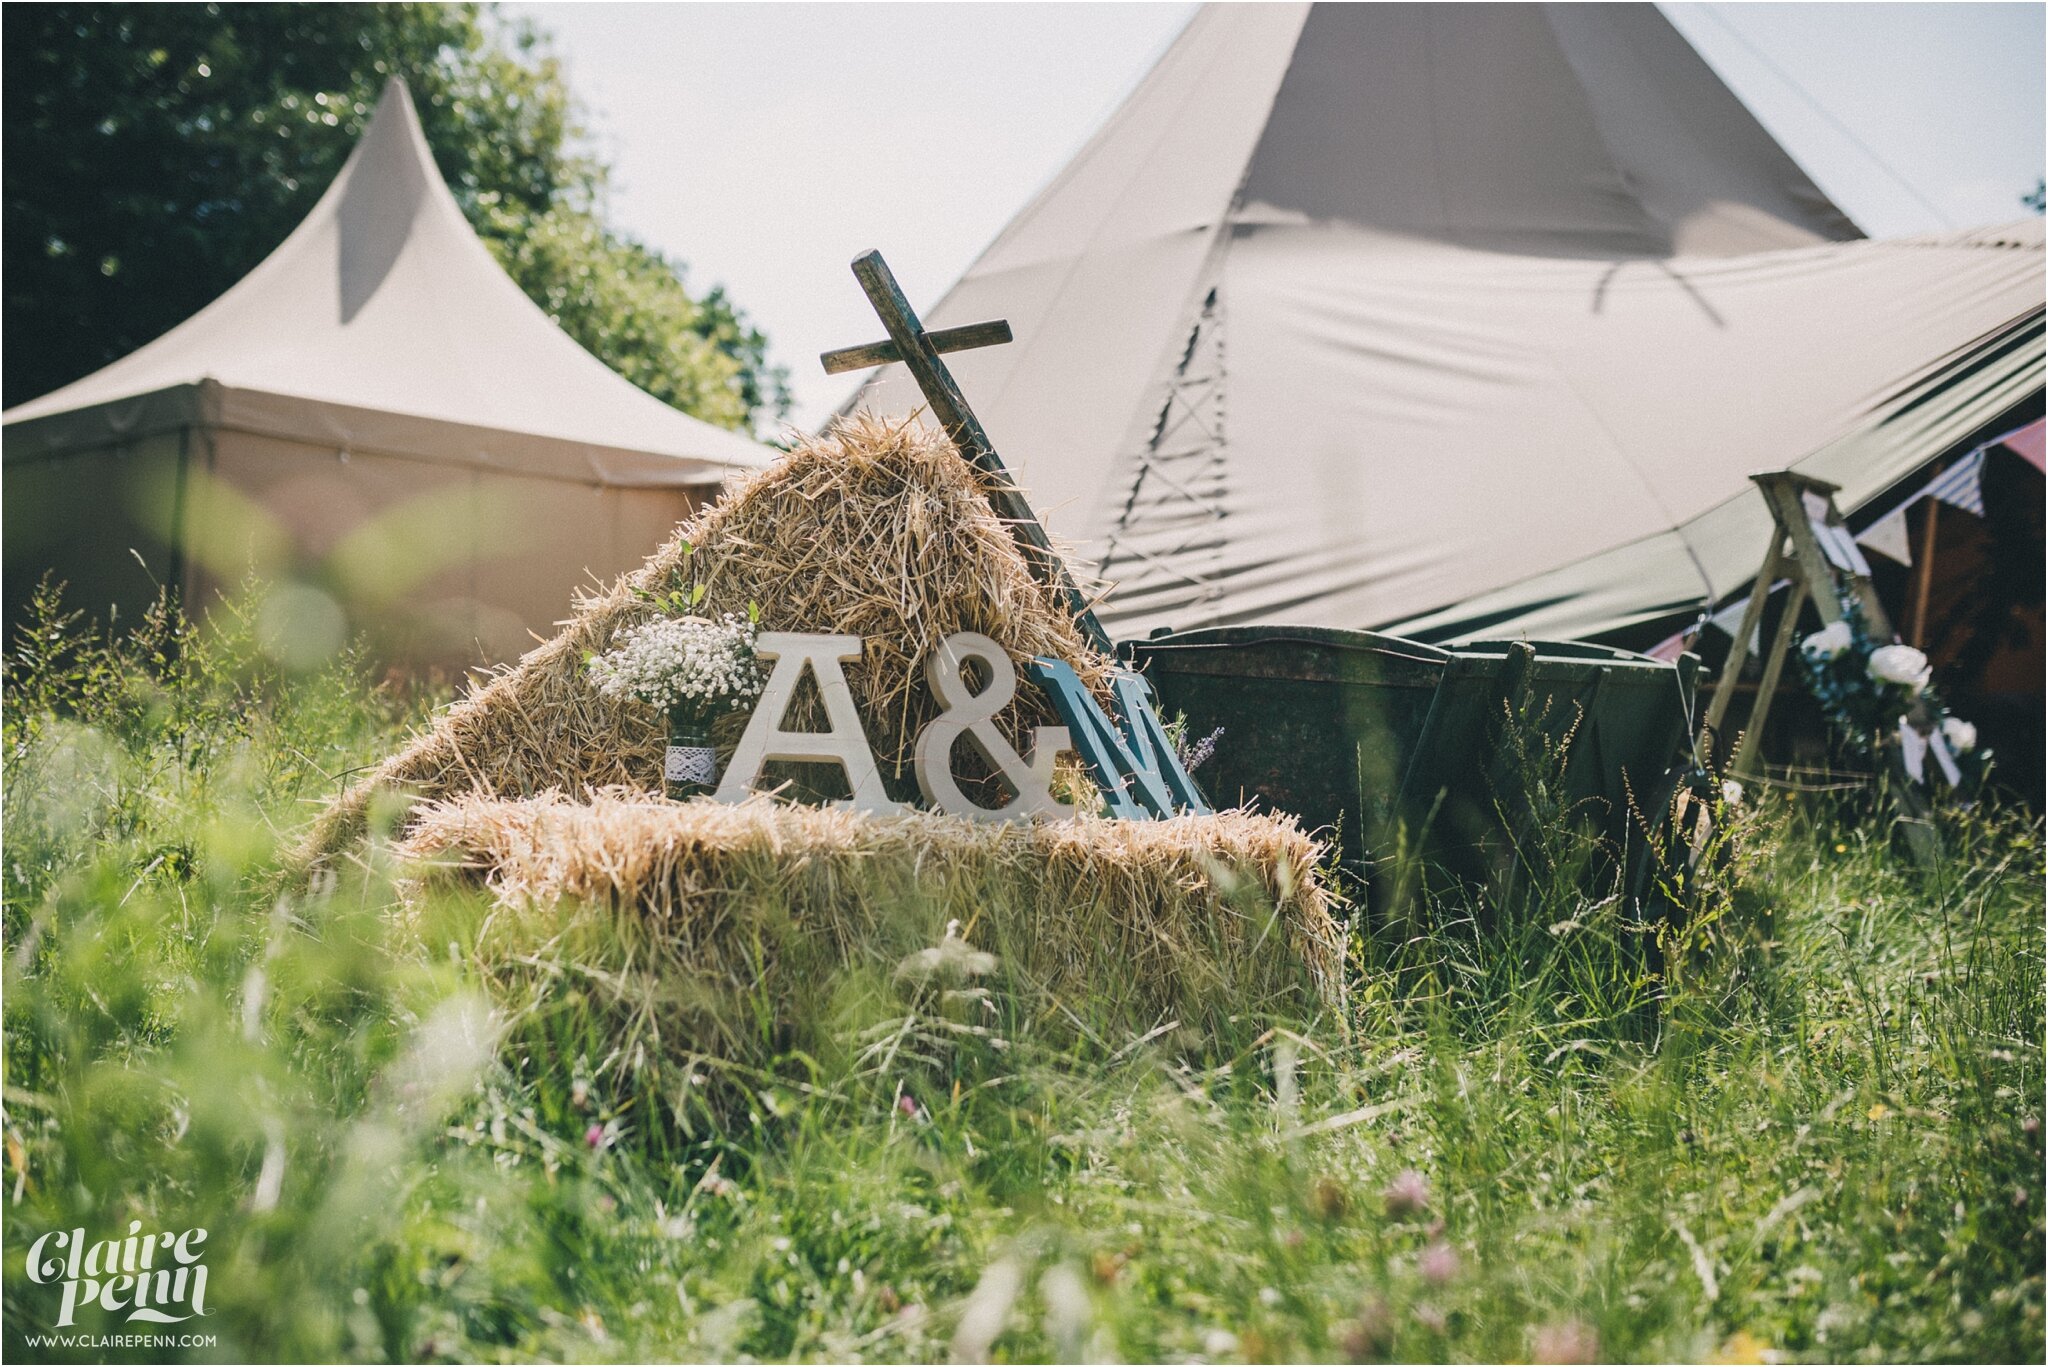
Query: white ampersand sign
[[971, 716]]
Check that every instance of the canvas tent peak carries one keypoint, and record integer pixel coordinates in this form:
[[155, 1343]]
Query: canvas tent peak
[[1460, 321], [1563, 129], [376, 417], [380, 322]]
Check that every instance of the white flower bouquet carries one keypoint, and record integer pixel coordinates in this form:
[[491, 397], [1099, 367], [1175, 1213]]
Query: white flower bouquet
[[1870, 690], [1901, 666], [692, 669]]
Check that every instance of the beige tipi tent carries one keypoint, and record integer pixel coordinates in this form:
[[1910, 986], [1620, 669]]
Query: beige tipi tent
[[376, 415], [1459, 320]]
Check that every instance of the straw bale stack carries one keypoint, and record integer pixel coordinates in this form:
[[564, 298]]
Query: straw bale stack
[[723, 934], [697, 921]]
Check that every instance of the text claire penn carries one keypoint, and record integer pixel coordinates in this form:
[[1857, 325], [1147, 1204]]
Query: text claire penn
[[154, 1277]]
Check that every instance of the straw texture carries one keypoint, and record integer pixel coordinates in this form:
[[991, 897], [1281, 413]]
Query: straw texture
[[876, 529], [698, 920]]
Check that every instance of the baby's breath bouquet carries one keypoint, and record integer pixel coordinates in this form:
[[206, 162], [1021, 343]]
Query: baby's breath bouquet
[[692, 669]]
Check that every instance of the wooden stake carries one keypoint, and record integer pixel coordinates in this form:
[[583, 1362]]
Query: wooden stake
[[1738, 653], [1923, 573], [1742, 766]]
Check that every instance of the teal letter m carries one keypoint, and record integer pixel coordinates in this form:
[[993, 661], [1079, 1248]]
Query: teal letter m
[[1140, 775]]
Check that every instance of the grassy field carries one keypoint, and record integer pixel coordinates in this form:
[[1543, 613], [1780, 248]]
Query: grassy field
[[1813, 1135]]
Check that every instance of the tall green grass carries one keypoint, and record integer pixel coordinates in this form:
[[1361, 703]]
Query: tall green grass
[[1805, 1124]]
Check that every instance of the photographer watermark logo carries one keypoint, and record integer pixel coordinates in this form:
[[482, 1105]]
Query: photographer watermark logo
[[153, 1277]]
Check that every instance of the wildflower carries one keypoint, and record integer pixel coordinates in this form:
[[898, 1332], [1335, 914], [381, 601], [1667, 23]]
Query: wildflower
[[1901, 665], [1194, 754], [1330, 1200], [987, 1310], [1743, 1346], [1069, 1311], [1731, 792], [1438, 1264], [2031, 1126], [579, 1094], [1960, 735], [951, 960], [1370, 1335], [1219, 1343], [1830, 641], [1268, 1297], [1407, 1194], [1431, 1317], [907, 1104], [1570, 1341], [594, 1136]]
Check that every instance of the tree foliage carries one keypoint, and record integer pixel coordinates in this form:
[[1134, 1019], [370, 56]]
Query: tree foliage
[[155, 154]]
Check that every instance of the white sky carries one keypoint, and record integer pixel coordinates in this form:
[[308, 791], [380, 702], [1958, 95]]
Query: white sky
[[768, 144]]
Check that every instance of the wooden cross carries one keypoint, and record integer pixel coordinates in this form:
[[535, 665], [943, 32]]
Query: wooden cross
[[919, 351], [1131, 760]]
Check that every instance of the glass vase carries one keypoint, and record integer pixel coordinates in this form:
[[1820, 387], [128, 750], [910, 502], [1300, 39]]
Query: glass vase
[[690, 768]]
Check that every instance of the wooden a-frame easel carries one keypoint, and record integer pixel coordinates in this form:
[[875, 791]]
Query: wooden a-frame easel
[[1812, 546]]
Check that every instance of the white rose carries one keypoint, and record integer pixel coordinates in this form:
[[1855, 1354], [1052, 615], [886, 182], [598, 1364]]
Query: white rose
[[1731, 792], [1900, 665], [1830, 641], [1960, 735]]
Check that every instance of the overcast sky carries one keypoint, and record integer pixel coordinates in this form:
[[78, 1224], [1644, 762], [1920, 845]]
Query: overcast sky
[[767, 144]]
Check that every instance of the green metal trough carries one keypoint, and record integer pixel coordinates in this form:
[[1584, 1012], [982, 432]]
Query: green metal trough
[[1390, 743]]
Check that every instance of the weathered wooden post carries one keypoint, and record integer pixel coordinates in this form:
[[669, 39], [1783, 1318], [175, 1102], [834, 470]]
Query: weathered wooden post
[[919, 351], [1133, 762]]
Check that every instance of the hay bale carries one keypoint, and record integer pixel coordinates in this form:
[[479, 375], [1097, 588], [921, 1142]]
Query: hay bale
[[877, 529], [729, 934]]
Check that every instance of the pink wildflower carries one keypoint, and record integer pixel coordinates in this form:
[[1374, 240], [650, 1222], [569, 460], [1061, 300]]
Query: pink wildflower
[[1407, 1194], [1571, 1341]]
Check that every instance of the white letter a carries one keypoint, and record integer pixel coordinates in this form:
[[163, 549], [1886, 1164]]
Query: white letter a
[[845, 744]]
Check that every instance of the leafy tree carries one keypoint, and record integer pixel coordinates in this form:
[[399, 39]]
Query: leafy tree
[[620, 299], [2037, 198], [155, 153]]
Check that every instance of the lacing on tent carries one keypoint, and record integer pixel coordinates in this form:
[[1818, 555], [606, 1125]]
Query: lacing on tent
[[1167, 542]]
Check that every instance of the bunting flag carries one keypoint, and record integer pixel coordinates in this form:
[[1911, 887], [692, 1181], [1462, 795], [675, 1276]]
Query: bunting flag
[[1670, 648], [1730, 617], [1727, 619], [2028, 443], [1962, 484], [1835, 542], [1888, 537]]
